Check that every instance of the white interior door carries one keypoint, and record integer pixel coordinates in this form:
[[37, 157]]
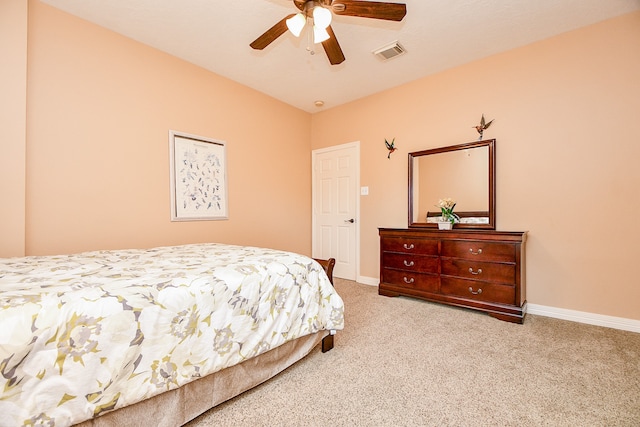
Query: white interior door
[[336, 176]]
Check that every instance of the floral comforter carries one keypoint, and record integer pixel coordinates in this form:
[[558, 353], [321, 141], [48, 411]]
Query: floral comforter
[[87, 333]]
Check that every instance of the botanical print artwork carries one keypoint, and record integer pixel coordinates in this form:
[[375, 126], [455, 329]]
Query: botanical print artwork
[[198, 178]]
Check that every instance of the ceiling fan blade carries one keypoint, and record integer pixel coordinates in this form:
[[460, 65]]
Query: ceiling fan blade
[[332, 48], [271, 34], [370, 9]]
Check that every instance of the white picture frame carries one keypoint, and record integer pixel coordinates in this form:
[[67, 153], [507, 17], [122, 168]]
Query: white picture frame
[[198, 174]]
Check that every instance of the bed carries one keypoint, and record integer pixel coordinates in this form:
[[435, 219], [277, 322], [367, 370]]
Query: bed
[[153, 337]]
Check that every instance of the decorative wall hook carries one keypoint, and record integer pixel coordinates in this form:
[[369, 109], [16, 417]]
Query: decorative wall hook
[[481, 128], [390, 146]]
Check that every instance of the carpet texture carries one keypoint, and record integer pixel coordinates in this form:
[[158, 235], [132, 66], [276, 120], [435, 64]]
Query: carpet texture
[[405, 362]]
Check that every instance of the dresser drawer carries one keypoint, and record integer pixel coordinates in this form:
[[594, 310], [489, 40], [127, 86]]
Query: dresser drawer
[[416, 246], [479, 251], [410, 262], [410, 280], [477, 290], [486, 271]]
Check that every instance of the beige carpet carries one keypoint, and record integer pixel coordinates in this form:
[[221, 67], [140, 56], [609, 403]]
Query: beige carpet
[[404, 362]]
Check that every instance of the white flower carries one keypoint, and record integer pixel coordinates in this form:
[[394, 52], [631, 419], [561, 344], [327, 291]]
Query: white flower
[[446, 206], [447, 203]]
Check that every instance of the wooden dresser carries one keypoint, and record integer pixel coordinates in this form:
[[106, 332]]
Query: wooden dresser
[[478, 269]]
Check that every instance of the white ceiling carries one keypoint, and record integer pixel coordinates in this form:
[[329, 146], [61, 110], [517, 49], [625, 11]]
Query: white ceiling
[[437, 35]]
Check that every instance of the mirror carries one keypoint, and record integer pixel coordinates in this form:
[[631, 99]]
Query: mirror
[[464, 173]]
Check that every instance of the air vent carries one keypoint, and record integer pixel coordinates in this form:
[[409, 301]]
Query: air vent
[[389, 51]]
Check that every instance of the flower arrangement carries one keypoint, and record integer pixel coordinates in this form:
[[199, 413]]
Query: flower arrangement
[[446, 207]]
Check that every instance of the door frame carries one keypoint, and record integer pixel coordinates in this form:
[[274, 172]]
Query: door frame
[[314, 228]]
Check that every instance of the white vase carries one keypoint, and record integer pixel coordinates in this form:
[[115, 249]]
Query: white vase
[[445, 225]]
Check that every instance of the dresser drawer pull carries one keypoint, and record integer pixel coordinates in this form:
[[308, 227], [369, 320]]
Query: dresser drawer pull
[[475, 253], [475, 272], [409, 246], [475, 293], [408, 281], [408, 264]]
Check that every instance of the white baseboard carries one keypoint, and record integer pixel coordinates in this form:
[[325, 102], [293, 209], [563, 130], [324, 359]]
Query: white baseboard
[[584, 317], [558, 313], [371, 281]]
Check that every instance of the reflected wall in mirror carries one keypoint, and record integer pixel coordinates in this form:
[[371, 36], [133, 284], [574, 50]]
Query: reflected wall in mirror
[[465, 173]]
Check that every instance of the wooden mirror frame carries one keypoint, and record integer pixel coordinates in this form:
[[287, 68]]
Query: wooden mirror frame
[[491, 182]]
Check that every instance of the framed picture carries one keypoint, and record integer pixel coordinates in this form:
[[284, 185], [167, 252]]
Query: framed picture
[[198, 178]]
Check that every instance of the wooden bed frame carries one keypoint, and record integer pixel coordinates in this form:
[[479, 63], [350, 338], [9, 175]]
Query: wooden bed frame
[[177, 407]]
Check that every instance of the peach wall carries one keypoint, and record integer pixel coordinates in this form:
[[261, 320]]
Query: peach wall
[[99, 110], [566, 122], [13, 87]]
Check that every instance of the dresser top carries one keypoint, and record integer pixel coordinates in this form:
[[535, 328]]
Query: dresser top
[[466, 234]]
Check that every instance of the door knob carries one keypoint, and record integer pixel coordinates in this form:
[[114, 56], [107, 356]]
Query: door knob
[[350, 220]]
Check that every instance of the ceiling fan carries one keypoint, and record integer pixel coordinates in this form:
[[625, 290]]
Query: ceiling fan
[[320, 13]]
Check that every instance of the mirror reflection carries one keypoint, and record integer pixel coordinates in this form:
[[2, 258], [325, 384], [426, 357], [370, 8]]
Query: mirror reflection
[[464, 173]]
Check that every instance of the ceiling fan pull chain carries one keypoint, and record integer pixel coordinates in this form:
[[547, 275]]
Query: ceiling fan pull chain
[[310, 42]]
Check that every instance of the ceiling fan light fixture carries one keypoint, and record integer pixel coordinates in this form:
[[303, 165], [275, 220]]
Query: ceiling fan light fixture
[[296, 23], [321, 17], [320, 34]]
